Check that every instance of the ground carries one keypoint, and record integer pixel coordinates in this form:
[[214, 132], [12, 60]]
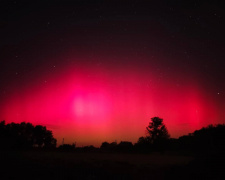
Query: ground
[[70, 165]]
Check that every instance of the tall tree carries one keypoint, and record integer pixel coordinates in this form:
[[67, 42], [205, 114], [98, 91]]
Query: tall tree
[[156, 130]]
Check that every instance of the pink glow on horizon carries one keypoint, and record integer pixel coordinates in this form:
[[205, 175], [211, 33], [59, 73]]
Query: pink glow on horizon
[[91, 105]]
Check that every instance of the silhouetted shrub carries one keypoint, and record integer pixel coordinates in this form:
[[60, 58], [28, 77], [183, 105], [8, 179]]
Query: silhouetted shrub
[[87, 149], [124, 146], [143, 145], [108, 147], [67, 147]]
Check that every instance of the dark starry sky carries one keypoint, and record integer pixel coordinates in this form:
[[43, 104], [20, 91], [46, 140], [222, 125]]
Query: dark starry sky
[[189, 30]]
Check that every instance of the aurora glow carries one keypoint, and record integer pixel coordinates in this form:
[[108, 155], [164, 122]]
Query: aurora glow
[[94, 72], [96, 104]]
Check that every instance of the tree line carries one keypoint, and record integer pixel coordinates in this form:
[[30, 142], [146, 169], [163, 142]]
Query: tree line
[[25, 136], [28, 136]]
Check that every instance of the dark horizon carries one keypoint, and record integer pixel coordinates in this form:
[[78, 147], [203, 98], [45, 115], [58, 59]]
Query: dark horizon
[[29, 151], [11, 134]]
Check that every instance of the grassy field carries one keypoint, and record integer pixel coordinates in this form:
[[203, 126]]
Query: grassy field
[[68, 165]]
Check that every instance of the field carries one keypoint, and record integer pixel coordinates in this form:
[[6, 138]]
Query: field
[[69, 165]]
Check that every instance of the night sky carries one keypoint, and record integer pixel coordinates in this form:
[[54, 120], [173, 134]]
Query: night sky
[[94, 71]]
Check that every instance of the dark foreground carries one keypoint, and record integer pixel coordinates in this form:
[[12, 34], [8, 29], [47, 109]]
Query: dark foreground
[[68, 165]]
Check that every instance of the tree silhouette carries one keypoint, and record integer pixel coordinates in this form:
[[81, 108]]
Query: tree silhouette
[[43, 137], [156, 130], [25, 135], [205, 140]]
